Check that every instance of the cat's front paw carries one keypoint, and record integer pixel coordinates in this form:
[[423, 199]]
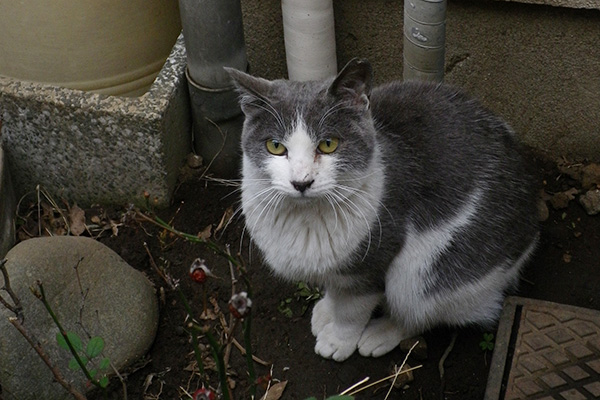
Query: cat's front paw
[[337, 342], [321, 316], [380, 337]]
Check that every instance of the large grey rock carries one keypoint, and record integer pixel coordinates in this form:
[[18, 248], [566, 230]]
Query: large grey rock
[[8, 205], [119, 305]]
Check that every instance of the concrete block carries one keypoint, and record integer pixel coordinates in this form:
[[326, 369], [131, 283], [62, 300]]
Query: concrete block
[[8, 206], [92, 148]]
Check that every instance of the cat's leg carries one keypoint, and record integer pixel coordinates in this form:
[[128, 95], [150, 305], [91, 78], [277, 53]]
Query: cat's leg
[[338, 321], [381, 336], [322, 315]]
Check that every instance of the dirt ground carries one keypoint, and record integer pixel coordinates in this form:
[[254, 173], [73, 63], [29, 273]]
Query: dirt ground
[[565, 269]]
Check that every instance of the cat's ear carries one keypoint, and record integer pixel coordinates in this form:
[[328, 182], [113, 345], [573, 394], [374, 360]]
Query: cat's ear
[[353, 83], [252, 89]]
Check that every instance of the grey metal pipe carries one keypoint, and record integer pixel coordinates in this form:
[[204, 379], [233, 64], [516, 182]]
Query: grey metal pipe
[[424, 39], [214, 38]]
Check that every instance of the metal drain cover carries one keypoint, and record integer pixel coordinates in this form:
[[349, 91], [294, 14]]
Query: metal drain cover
[[545, 351]]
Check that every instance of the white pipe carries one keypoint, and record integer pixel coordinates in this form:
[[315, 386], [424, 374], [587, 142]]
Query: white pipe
[[309, 33], [424, 39]]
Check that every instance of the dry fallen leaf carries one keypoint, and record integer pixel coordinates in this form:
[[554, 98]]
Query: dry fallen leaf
[[275, 391], [225, 219], [561, 200], [206, 233], [77, 220]]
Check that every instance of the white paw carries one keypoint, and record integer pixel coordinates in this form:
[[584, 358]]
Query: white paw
[[379, 337], [322, 315], [337, 342]]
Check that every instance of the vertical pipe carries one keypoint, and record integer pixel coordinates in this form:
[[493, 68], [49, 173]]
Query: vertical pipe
[[214, 37], [309, 33], [424, 39]]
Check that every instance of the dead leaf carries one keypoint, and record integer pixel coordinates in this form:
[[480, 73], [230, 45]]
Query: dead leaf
[[567, 258], [225, 219], [561, 200], [77, 220], [215, 305], [206, 233], [275, 391]]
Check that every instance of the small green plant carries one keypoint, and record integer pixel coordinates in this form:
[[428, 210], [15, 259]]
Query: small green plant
[[86, 355], [304, 295], [284, 307], [487, 344]]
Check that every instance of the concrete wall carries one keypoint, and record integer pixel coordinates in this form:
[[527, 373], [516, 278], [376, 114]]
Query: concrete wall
[[537, 66]]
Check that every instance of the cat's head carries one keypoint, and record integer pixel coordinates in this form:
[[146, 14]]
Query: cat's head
[[306, 138]]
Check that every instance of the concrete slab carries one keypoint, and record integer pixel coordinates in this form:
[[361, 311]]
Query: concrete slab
[[8, 206], [563, 3], [545, 351], [92, 148]]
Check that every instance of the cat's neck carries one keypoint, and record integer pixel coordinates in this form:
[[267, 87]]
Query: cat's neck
[[306, 239]]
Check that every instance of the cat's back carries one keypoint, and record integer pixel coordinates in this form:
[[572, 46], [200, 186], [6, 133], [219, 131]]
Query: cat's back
[[444, 125], [422, 108], [441, 145]]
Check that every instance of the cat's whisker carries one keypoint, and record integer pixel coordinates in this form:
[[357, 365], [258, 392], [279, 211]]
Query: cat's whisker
[[271, 110], [331, 201], [263, 196], [356, 209], [267, 204], [365, 196], [336, 107]]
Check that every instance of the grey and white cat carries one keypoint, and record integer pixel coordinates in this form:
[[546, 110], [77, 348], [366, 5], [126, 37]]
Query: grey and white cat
[[409, 197]]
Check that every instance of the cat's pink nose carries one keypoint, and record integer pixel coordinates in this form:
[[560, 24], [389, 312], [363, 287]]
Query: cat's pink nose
[[302, 186]]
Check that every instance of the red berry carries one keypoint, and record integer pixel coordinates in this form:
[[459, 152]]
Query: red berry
[[198, 275], [203, 394], [199, 272]]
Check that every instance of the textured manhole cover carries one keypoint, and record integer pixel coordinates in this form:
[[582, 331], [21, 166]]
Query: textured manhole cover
[[545, 351]]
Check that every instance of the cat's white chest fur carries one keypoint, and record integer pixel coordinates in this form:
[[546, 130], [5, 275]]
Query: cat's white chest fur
[[309, 235]]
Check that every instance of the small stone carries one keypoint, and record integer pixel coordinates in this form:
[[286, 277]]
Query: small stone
[[194, 161], [590, 176], [419, 352], [591, 201], [404, 377]]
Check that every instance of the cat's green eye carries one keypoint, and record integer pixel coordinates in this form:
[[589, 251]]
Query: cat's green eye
[[275, 147], [328, 145]]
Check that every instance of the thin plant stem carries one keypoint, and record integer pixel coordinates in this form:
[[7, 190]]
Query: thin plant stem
[[16, 309], [189, 237], [249, 361], [17, 322], [197, 352], [42, 354], [42, 296], [217, 351]]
